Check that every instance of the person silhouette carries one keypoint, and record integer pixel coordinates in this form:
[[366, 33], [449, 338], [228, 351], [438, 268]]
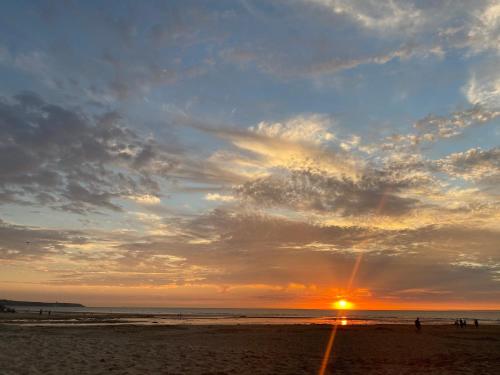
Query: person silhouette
[[465, 323], [456, 323], [417, 324], [476, 323], [461, 323]]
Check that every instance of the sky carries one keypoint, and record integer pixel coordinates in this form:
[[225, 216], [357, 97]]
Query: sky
[[249, 153]]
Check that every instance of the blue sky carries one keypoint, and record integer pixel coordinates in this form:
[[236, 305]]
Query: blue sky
[[140, 137]]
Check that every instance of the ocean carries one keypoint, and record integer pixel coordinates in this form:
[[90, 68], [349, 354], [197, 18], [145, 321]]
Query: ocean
[[169, 315]]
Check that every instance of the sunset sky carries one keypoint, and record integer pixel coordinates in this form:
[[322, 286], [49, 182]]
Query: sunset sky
[[248, 153]]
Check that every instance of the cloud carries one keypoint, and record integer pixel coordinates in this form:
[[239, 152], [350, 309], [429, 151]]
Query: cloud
[[482, 91], [305, 190], [374, 33], [132, 58], [331, 63], [124, 56], [69, 160], [284, 167], [375, 15], [255, 248], [219, 197], [397, 31], [302, 141], [313, 128], [474, 164], [146, 199], [485, 32], [236, 249], [433, 127], [18, 242], [483, 87], [478, 30]]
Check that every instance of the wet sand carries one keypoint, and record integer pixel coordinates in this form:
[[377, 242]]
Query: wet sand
[[245, 349]]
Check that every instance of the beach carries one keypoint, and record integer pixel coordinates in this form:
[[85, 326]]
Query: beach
[[99, 348]]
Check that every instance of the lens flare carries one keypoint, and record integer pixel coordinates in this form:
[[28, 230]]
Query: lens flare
[[331, 340]]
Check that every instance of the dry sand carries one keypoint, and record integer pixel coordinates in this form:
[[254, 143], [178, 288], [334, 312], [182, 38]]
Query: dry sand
[[243, 349]]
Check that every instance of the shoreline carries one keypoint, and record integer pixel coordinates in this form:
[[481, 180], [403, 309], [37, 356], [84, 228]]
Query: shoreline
[[62, 318]]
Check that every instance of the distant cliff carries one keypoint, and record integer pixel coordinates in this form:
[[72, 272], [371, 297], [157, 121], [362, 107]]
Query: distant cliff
[[7, 302]]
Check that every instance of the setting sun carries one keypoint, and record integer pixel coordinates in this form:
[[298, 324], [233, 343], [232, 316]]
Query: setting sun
[[342, 304]]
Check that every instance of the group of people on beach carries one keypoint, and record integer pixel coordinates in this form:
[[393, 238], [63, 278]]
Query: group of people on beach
[[462, 323]]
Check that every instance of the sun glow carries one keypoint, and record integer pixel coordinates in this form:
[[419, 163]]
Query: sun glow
[[342, 304]]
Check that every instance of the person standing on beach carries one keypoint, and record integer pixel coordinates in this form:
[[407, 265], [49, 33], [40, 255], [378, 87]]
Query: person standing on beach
[[456, 323], [417, 324], [476, 323]]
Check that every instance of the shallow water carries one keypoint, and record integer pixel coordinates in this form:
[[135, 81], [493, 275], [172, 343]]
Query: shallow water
[[221, 316]]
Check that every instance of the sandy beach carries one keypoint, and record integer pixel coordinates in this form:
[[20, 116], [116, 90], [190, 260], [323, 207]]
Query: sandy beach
[[244, 349]]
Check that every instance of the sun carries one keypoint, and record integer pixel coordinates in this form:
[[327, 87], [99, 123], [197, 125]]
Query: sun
[[342, 304]]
